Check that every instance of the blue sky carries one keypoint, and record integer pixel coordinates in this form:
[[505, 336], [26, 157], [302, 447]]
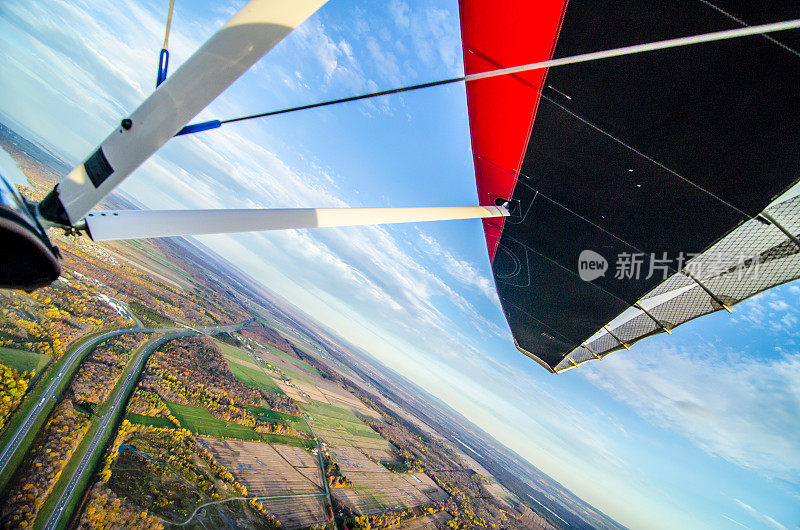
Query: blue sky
[[696, 429]]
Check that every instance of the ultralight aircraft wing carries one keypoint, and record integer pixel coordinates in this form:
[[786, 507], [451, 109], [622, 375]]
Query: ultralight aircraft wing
[[644, 186]]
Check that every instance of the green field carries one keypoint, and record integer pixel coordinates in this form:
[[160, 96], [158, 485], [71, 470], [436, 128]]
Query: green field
[[294, 360], [287, 440], [23, 361], [255, 377], [246, 370], [155, 421], [273, 416], [327, 416], [200, 421], [232, 352], [329, 412]]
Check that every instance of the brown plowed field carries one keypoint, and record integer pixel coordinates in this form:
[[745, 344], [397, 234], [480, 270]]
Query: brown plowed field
[[376, 489], [276, 470]]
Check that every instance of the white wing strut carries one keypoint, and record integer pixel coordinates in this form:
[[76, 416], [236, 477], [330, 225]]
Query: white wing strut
[[141, 224], [253, 31]]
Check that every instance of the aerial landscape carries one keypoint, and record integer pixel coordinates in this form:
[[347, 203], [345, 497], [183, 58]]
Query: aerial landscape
[[412, 264], [157, 386]]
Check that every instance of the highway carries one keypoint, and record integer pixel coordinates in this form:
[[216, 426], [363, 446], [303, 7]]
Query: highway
[[107, 419], [105, 422], [49, 392], [13, 443]]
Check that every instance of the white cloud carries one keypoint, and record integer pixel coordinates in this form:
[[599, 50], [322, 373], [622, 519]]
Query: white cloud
[[774, 312], [743, 409], [766, 519], [386, 61], [436, 37], [460, 269], [399, 11], [779, 305], [336, 57]]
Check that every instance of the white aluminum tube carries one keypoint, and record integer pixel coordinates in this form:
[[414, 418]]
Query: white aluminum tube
[[142, 224], [253, 31]]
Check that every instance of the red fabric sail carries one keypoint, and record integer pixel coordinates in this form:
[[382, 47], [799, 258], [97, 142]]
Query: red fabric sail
[[502, 109]]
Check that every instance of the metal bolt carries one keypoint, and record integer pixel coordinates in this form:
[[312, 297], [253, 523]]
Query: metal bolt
[[126, 124]]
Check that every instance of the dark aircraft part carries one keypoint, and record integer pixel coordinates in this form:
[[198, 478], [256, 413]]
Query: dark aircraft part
[[27, 259], [640, 178], [53, 210]]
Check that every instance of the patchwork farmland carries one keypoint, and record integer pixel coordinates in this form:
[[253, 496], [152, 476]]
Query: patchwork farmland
[[200, 421], [289, 473], [376, 489], [247, 370], [283, 472], [360, 452]]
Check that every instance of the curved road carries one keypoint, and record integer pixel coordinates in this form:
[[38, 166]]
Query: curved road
[[108, 418], [105, 422], [22, 431], [49, 392]]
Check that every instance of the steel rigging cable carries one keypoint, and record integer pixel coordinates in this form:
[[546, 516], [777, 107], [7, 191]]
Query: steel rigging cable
[[762, 29]]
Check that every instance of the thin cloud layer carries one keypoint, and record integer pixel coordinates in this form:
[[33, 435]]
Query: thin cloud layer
[[741, 408]]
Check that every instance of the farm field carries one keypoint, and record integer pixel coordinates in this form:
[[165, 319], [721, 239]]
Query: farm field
[[273, 416], [377, 448], [332, 418], [200, 421], [23, 361], [298, 512], [340, 398], [359, 452], [246, 370], [293, 360], [295, 369], [435, 520], [376, 489], [276, 470], [251, 375], [304, 393], [154, 421], [375, 492]]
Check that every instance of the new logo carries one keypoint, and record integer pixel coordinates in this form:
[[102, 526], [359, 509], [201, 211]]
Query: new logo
[[591, 265]]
